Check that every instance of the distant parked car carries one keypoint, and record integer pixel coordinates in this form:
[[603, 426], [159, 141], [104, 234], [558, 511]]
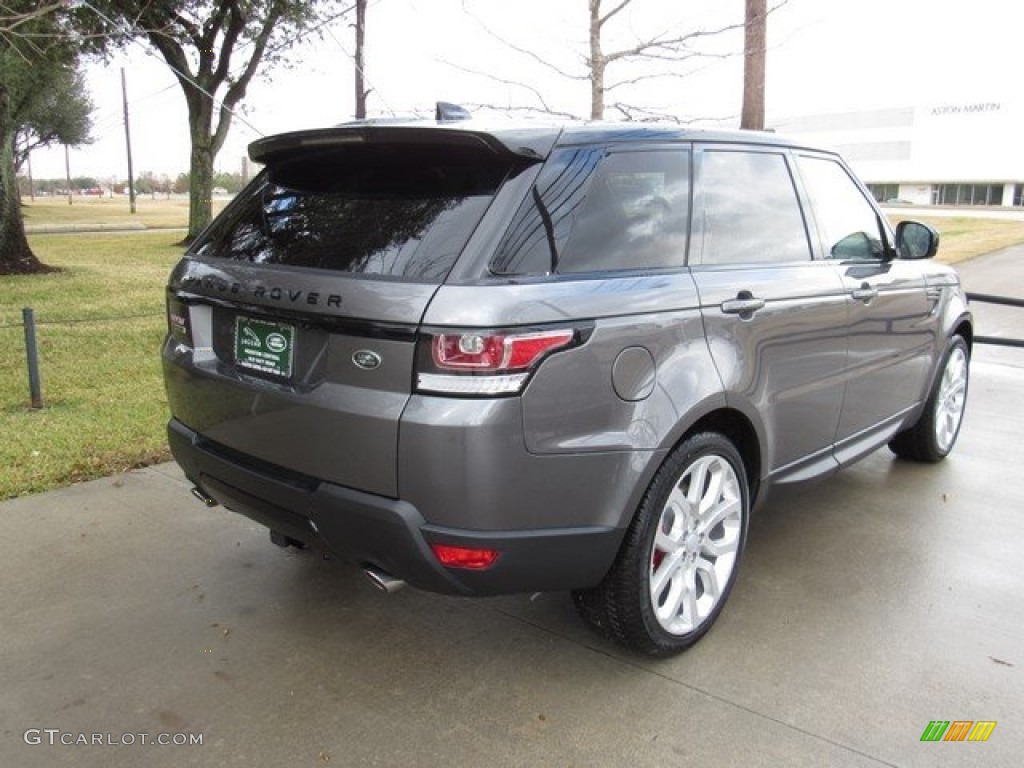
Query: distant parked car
[[570, 357]]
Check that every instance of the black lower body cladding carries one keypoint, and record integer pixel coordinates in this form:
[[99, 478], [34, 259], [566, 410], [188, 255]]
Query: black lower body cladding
[[389, 534]]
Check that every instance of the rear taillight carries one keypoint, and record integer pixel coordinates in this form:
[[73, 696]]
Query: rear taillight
[[485, 362]]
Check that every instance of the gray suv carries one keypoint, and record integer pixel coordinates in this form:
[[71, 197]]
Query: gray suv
[[485, 361]]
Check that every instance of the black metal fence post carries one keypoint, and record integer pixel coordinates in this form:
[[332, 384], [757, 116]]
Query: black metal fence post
[[35, 388]]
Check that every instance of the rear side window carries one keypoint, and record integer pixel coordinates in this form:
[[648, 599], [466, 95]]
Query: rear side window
[[590, 212], [749, 211], [389, 211]]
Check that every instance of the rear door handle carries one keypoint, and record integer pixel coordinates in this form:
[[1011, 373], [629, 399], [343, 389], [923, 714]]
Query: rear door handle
[[865, 293], [744, 306]]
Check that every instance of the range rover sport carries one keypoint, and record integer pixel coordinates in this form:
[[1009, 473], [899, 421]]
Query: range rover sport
[[495, 360]]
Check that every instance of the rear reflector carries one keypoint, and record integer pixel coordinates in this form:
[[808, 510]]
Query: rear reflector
[[463, 557]]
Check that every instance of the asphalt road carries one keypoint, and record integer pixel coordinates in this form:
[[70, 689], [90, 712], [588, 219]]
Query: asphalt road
[[869, 605]]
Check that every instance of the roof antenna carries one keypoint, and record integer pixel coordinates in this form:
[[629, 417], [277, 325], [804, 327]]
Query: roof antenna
[[447, 112]]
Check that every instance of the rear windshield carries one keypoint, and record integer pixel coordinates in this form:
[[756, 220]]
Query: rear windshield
[[402, 212]]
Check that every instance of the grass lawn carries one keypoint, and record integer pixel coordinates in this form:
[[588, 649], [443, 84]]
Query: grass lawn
[[105, 405], [108, 211], [965, 238], [101, 322]]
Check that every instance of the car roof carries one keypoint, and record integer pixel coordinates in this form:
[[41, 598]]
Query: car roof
[[531, 139]]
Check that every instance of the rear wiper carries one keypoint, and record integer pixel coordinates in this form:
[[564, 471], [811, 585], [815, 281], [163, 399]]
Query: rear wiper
[[549, 227]]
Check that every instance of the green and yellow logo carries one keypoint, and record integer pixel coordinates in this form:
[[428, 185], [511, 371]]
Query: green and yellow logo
[[958, 730]]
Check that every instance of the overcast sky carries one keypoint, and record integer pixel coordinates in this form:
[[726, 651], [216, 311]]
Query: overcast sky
[[824, 56]]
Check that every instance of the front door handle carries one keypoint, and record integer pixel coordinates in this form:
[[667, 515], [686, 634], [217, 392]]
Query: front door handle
[[743, 305], [865, 293]]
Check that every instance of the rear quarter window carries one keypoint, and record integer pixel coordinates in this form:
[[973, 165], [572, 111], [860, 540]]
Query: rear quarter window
[[592, 212]]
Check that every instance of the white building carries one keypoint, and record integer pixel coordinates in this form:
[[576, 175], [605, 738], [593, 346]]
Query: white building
[[935, 154]]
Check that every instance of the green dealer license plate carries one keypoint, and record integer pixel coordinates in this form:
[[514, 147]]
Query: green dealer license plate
[[264, 346]]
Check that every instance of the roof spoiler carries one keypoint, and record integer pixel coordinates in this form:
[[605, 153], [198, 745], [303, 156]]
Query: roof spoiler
[[524, 144]]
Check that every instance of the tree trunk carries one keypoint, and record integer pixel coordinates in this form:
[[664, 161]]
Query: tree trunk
[[16, 257], [597, 63], [200, 187], [752, 117], [200, 207], [360, 59]]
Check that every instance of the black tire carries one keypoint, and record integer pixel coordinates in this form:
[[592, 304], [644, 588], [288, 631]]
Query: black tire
[[935, 433], [706, 554]]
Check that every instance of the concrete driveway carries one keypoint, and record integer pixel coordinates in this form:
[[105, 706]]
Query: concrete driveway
[[867, 606]]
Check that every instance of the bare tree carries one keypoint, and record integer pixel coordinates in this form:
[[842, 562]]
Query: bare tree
[[611, 73], [755, 38], [667, 50], [667, 54]]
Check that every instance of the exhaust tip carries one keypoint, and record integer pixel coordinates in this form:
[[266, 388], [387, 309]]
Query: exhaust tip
[[383, 580], [203, 496]]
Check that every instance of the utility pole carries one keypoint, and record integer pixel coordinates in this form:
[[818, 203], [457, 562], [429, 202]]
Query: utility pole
[[128, 143], [360, 59], [67, 171], [755, 38]]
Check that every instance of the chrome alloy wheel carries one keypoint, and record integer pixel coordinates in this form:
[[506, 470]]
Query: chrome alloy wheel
[[696, 544], [952, 396]]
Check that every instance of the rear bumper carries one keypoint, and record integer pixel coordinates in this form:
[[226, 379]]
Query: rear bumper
[[391, 534]]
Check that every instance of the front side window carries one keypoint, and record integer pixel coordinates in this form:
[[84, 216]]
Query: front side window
[[848, 225], [591, 212], [387, 212], [749, 212]]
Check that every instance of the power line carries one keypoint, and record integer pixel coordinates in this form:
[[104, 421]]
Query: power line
[[175, 70]]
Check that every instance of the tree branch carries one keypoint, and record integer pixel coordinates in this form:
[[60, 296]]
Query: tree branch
[[675, 44], [175, 57], [234, 29], [545, 108], [528, 53], [601, 21], [236, 91]]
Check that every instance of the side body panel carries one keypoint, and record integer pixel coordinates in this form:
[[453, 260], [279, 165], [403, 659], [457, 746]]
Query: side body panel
[[783, 365], [893, 336], [594, 422]]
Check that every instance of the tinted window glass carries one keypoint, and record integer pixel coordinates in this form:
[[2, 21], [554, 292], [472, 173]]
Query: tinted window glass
[[847, 222], [628, 210], [540, 229], [750, 212], [386, 212]]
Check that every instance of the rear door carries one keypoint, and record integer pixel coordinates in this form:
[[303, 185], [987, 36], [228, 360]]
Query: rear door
[[299, 307], [776, 320]]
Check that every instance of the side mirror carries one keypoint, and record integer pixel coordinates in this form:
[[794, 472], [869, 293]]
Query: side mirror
[[915, 240]]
